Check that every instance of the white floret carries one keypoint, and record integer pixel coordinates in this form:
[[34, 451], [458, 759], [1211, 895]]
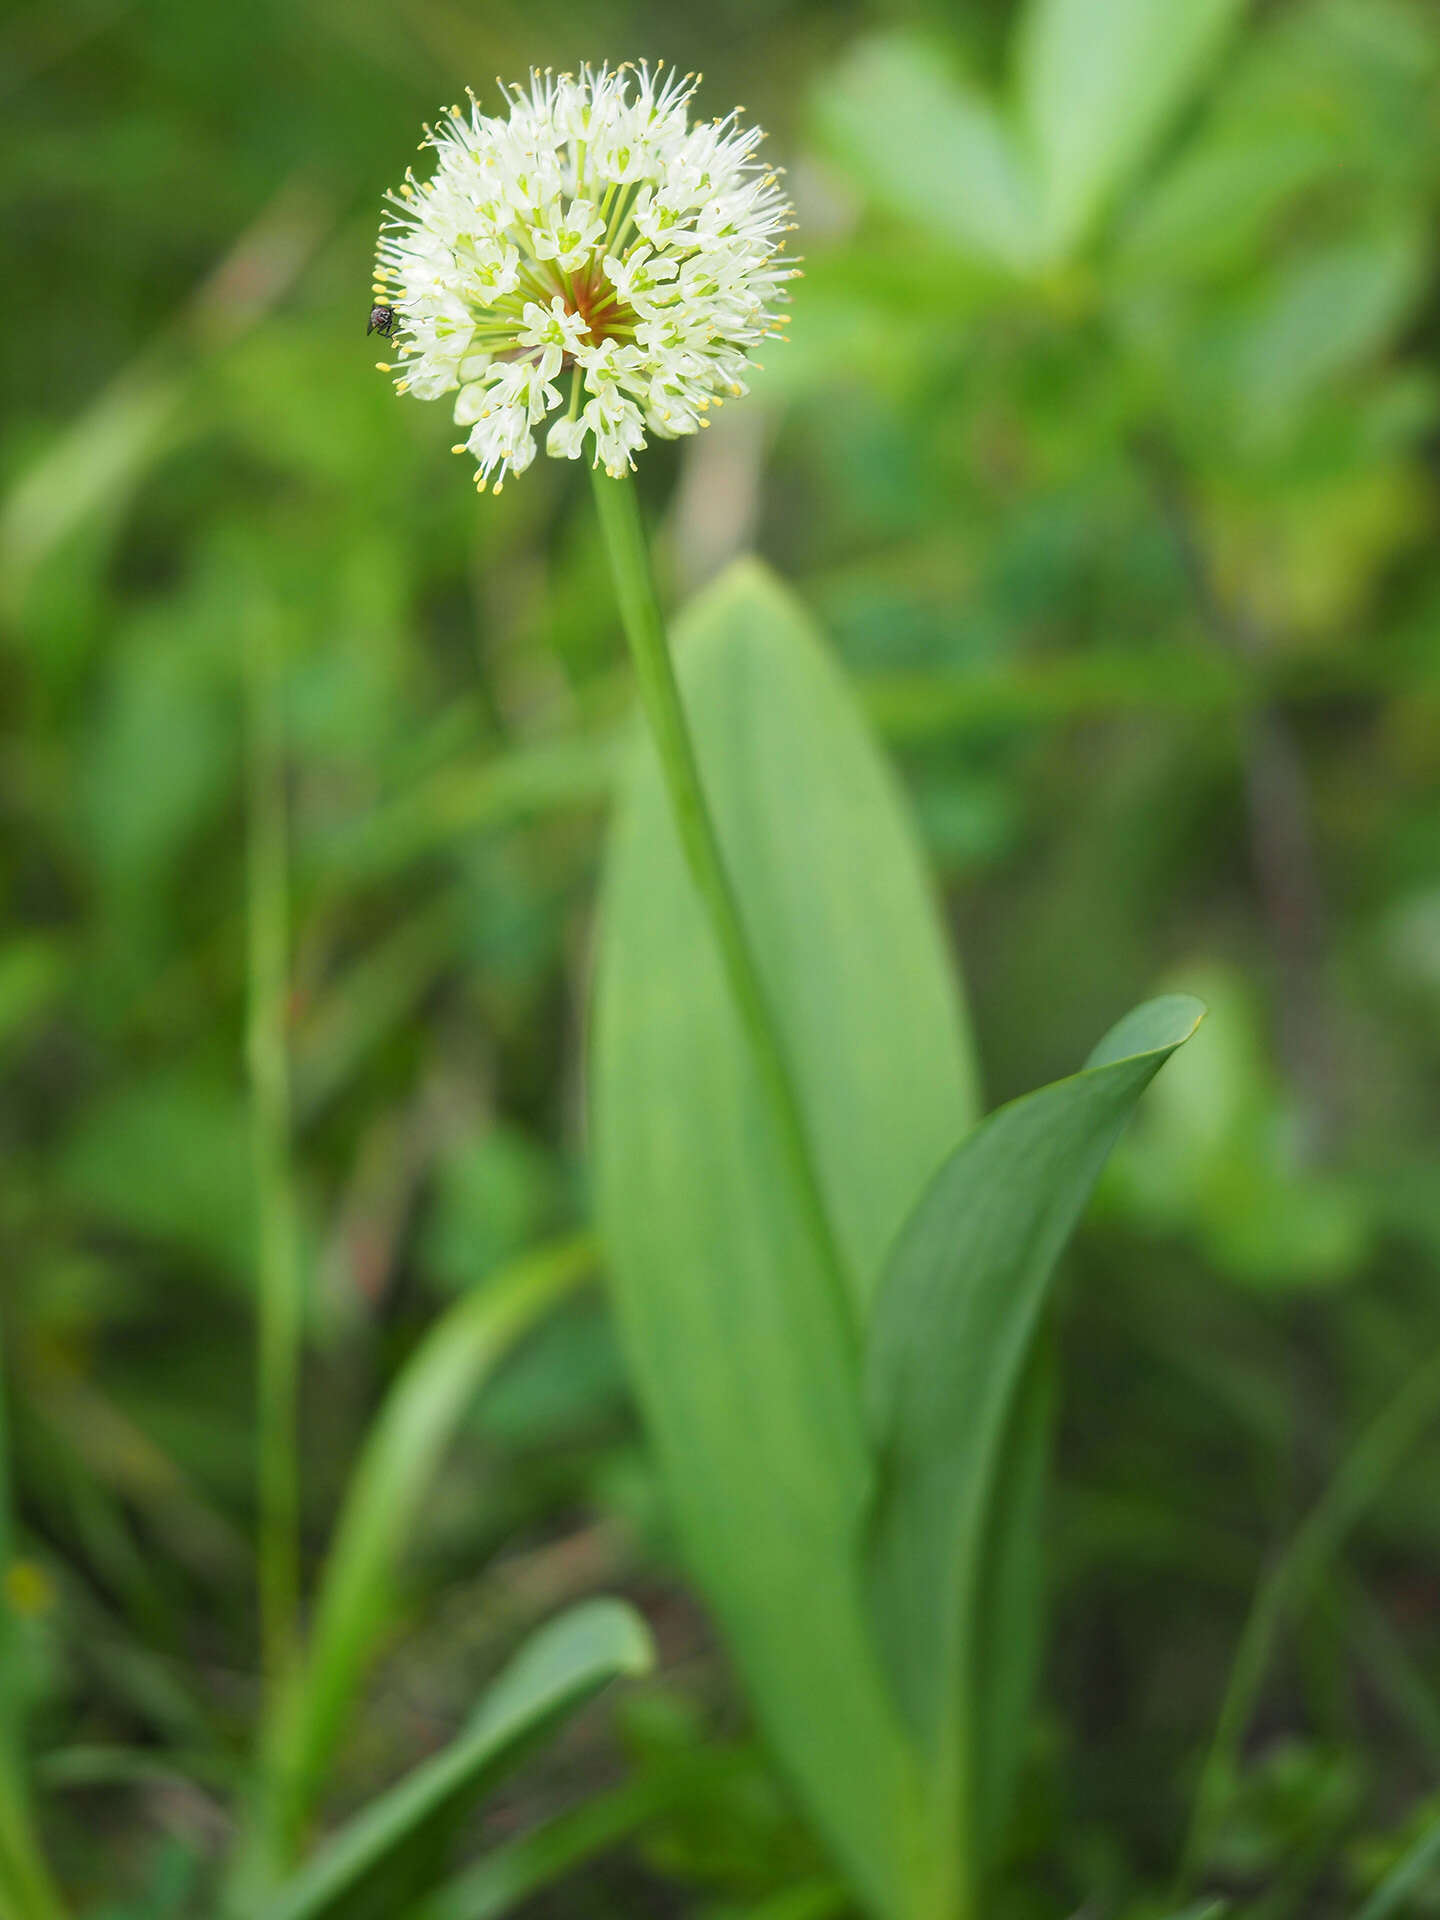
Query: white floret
[[588, 258]]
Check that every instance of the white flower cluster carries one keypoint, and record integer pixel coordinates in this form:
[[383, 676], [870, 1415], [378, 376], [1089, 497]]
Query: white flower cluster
[[591, 255]]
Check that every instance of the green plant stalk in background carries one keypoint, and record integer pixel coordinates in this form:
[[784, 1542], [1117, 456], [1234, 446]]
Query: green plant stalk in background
[[1365, 1470], [618, 507], [26, 1889], [277, 1254]]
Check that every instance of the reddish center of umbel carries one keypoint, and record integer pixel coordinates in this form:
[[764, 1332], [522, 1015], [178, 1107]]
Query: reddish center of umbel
[[591, 295]]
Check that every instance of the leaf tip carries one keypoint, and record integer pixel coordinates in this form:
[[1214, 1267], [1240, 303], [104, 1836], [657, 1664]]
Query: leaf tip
[[1156, 1026]]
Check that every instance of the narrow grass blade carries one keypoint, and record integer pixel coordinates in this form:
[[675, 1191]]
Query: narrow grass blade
[[816, 1900], [554, 1673], [26, 1890], [953, 1331], [25, 1882], [402, 1452], [1401, 1424], [738, 1351], [1404, 1877], [511, 1874]]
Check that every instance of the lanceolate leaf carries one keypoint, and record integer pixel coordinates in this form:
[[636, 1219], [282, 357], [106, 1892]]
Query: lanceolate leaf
[[737, 1348], [356, 1597], [553, 1674], [1100, 81], [933, 149], [953, 1331]]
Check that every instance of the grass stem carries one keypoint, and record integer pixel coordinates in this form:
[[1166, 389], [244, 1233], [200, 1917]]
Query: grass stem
[[277, 1241], [1364, 1472], [26, 1889]]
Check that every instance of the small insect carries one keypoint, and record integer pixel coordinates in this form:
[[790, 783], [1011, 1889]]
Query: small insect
[[382, 320]]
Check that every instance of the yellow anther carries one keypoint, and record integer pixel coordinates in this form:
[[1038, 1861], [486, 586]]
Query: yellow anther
[[402, 386], [383, 366], [459, 449]]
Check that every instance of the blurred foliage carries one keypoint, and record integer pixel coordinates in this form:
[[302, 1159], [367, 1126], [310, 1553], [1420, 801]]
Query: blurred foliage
[[1119, 503]]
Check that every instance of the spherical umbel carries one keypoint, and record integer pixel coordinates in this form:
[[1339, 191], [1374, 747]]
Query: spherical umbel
[[591, 259]]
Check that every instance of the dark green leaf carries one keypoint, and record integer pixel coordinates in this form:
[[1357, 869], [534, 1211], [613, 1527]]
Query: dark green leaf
[[954, 1328]]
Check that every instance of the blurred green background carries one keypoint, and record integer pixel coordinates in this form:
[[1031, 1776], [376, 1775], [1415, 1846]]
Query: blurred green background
[[1131, 552]]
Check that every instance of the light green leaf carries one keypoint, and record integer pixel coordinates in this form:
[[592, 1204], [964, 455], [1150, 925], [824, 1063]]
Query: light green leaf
[[953, 1331], [555, 1672], [930, 148], [387, 1489], [1326, 315], [1099, 83], [734, 1338]]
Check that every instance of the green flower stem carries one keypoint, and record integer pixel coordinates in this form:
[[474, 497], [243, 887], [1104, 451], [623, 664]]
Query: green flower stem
[[278, 1260], [619, 511]]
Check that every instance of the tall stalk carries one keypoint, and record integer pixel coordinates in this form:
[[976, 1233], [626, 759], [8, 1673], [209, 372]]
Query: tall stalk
[[629, 557], [277, 1248]]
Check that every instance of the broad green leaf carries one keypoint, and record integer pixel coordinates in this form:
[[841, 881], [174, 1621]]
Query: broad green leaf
[[1099, 83], [930, 148], [953, 1331], [735, 1341], [555, 1672], [417, 1422]]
